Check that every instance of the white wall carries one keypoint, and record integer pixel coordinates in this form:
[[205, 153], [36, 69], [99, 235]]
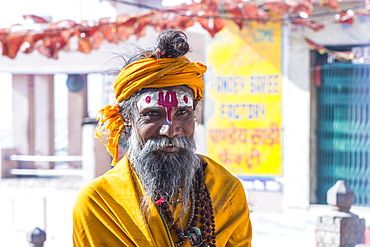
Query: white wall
[[296, 119]]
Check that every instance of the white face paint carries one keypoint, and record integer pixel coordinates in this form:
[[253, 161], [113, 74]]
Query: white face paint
[[176, 98]]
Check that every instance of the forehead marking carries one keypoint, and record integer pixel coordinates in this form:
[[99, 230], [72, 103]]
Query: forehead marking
[[169, 101]]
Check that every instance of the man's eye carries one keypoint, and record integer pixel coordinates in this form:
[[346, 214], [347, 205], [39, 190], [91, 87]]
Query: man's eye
[[152, 114], [182, 112]]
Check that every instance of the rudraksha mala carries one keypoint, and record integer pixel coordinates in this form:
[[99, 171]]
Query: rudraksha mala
[[201, 213]]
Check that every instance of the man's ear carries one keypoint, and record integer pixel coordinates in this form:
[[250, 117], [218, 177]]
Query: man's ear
[[195, 103]]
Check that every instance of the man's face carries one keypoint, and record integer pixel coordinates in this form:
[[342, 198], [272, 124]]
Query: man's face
[[166, 112]]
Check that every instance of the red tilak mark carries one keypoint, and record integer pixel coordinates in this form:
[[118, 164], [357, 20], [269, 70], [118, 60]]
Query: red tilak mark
[[168, 102], [186, 99], [148, 99]]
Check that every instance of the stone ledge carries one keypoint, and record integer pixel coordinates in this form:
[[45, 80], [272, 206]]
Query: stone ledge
[[49, 183]]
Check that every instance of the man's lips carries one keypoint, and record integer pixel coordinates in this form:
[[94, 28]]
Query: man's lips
[[170, 148]]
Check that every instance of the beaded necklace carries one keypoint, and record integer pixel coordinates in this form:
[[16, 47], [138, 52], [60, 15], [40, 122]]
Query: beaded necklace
[[201, 212]]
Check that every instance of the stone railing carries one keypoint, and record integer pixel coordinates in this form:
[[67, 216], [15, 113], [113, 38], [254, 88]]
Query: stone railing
[[94, 159], [340, 228]]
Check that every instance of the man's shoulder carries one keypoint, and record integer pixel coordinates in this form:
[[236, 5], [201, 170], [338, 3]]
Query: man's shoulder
[[222, 185], [112, 178], [94, 185], [213, 168], [217, 167]]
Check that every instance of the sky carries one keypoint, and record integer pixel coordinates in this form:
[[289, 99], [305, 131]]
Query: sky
[[11, 12]]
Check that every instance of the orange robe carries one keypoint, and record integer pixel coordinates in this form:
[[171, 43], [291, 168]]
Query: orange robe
[[107, 212]]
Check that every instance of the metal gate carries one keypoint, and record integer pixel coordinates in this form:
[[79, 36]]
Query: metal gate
[[343, 130]]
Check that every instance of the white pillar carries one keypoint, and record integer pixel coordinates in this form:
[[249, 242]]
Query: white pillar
[[44, 117]]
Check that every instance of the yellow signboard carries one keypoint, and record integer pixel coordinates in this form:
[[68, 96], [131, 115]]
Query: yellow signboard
[[243, 99]]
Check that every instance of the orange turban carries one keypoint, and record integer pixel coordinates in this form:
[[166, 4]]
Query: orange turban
[[146, 73]]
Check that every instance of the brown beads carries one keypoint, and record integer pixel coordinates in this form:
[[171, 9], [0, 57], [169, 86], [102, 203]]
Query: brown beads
[[201, 212]]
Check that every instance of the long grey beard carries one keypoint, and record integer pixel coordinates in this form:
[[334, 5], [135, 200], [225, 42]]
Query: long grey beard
[[167, 174]]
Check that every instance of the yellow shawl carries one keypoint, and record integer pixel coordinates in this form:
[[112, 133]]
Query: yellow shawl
[[146, 73], [107, 211]]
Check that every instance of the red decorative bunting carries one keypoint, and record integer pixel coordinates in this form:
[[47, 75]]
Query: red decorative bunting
[[334, 4], [308, 23], [210, 14], [35, 18], [340, 55], [317, 81], [345, 17]]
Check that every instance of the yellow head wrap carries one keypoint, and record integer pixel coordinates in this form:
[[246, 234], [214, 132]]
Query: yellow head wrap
[[145, 73]]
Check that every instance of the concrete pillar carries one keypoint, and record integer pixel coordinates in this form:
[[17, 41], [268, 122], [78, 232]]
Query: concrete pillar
[[96, 159], [77, 111], [295, 119], [44, 118], [340, 228], [23, 119], [33, 116]]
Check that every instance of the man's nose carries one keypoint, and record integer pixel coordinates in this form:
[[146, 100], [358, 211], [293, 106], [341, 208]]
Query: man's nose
[[169, 129]]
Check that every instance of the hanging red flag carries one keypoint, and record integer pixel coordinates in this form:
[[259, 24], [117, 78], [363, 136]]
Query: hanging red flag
[[36, 19]]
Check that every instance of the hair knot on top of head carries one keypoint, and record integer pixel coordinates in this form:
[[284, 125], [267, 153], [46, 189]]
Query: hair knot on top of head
[[162, 66], [172, 44]]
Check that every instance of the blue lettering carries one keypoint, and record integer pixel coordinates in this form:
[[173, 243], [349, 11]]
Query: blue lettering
[[263, 35], [262, 84], [230, 84], [243, 111]]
